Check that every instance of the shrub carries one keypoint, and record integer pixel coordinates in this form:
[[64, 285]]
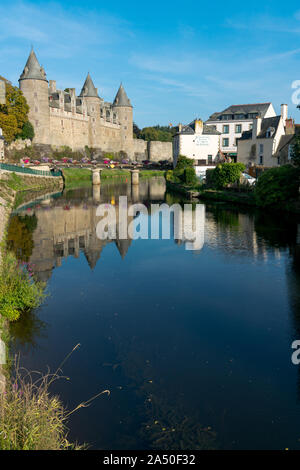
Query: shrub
[[33, 419], [27, 131], [190, 177], [18, 289], [224, 174], [277, 185], [183, 162]]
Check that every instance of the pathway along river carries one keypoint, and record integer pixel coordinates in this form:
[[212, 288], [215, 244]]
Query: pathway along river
[[195, 346]]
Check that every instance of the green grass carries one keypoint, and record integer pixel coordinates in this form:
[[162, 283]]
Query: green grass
[[19, 291], [83, 177]]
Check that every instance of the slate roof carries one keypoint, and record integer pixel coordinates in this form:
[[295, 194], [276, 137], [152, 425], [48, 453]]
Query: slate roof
[[88, 88], [267, 123], [190, 129], [121, 98], [33, 69], [259, 108]]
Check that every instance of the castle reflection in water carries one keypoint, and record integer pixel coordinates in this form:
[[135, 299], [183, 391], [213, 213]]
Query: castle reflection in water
[[66, 226]]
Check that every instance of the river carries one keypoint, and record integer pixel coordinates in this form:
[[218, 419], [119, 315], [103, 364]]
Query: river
[[194, 345]]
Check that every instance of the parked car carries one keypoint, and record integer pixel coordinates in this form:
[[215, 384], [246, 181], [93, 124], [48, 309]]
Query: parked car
[[249, 179]]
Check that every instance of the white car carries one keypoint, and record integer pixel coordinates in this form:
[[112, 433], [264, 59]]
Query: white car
[[249, 179]]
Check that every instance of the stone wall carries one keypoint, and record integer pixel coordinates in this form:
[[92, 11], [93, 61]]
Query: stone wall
[[160, 151], [19, 144]]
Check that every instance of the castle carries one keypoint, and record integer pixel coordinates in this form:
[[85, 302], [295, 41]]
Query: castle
[[60, 118]]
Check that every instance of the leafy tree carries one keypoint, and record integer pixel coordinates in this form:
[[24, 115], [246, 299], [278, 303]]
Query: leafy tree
[[14, 113], [224, 174], [184, 162], [160, 133], [136, 131], [277, 185], [296, 150], [27, 131]]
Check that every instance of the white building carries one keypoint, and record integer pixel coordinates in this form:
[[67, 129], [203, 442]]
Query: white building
[[260, 145], [198, 142], [235, 120]]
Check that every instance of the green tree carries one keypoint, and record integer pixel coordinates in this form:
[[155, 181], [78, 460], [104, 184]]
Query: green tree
[[277, 185], [14, 113], [295, 154], [27, 131], [224, 174]]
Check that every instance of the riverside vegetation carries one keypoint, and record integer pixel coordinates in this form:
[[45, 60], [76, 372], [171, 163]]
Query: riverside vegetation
[[276, 188], [31, 418]]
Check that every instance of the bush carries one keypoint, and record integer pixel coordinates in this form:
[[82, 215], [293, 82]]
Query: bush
[[27, 131], [190, 177], [183, 162], [224, 174], [19, 291], [277, 185]]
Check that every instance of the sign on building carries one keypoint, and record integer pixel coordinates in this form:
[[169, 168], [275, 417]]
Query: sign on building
[[2, 91], [201, 140]]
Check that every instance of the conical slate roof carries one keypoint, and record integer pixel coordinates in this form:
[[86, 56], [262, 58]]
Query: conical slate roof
[[121, 98], [33, 69], [88, 88]]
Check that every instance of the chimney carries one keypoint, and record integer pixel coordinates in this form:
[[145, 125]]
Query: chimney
[[289, 127], [52, 86], [198, 126], [179, 127], [256, 127], [284, 112]]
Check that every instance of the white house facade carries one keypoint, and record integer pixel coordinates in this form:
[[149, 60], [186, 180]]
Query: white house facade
[[198, 142], [236, 119]]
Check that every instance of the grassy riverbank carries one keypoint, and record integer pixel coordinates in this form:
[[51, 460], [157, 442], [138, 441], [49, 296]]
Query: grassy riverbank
[[30, 417], [83, 177]]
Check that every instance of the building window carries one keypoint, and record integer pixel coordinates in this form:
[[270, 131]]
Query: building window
[[261, 148], [250, 126], [261, 160], [36, 110], [226, 142], [278, 160], [226, 117], [209, 158], [238, 128], [226, 129], [239, 116]]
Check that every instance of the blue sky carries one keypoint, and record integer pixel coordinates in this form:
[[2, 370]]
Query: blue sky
[[177, 60]]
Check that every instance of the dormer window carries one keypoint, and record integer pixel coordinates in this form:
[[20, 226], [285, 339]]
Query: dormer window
[[270, 132]]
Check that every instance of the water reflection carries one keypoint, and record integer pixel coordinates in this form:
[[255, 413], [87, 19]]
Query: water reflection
[[194, 346]]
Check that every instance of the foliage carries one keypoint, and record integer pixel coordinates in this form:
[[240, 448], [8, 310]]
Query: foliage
[[184, 162], [19, 291], [224, 174], [14, 113], [296, 150], [183, 173], [189, 176], [136, 131], [160, 133], [27, 131], [19, 235], [277, 185], [30, 151], [30, 417]]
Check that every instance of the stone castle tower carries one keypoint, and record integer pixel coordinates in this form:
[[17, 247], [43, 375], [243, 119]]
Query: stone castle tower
[[60, 118]]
